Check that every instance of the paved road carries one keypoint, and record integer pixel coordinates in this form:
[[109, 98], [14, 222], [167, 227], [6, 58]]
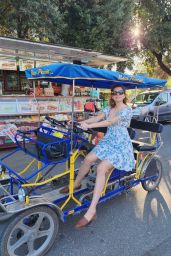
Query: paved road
[[134, 224]]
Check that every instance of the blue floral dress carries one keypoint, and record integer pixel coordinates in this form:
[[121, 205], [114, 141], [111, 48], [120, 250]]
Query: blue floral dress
[[116, 145]]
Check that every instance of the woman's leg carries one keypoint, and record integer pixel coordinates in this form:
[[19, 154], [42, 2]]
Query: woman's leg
[[102, 169], [85, 167]]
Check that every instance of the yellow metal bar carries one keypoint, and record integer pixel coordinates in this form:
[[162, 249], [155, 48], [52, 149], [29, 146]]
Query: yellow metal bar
[[90, 137], [79, 153], [153, 138], [27, 167], [106, 182], [72, 169], [68, 199], [39, 164], [39, 175], [66, 166], [65, 203], [75, 200], [45, 181], [136, 166], [71, 181], [139, 171], [152, 142], [27, 200]]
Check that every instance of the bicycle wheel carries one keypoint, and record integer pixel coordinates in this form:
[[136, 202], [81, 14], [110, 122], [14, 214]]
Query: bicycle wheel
[[31, 233], [154, 168]]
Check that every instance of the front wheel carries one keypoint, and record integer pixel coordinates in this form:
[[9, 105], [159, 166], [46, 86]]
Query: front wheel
[[152, 174], [31, 233]]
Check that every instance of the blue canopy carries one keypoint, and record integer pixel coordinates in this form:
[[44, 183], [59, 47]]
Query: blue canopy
[[88, 76]]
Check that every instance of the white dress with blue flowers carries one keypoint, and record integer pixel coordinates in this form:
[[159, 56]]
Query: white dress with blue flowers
[[116, 146]]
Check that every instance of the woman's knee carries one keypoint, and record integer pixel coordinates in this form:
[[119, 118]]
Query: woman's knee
[[103, 169], [89, 159]]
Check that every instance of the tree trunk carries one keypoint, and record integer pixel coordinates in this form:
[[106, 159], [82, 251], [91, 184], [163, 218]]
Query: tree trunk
[[160, 62]]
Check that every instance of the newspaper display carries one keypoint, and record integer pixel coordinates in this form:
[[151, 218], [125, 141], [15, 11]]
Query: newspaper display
[[8, 131]]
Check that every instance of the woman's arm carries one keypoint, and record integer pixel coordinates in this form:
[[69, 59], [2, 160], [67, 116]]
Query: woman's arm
[[105, 123], [122, 119], [140, 110], [95, 119]]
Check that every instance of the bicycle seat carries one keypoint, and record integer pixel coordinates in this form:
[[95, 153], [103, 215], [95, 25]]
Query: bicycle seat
[[140, 147], [146, 148], [87, 146]]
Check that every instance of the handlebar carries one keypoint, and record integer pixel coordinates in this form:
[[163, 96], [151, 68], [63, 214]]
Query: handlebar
[[55, 122], [76, 125]]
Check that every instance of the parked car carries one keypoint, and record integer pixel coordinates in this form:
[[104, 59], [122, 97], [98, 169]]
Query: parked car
[[156, 104]]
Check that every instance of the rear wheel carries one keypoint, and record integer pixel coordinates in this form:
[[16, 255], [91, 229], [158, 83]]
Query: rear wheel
[[31, 233], [153, 171]]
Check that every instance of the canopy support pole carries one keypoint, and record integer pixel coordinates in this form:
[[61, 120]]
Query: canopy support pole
[[72, 160], [72, 114]]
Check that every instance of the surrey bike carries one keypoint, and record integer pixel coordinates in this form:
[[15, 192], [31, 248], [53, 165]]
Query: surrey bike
[[32, 195], [37, 211]]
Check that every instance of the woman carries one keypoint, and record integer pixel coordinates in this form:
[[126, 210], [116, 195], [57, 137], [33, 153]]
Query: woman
[[114, 150]]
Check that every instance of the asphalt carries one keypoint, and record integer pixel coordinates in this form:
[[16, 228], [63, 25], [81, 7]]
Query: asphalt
[[133, 224]]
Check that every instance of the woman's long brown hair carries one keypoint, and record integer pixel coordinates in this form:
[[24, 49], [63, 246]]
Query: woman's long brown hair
[[112, 103]]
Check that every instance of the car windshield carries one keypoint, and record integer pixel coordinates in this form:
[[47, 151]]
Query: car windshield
[[145, 98]]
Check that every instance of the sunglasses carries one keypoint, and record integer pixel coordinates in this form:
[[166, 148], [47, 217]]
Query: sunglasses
[[119, 92]]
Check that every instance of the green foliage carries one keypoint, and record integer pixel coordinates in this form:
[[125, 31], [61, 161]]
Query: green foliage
[[79, 19], [155, 19], [31, 19], [111, 24], [97, 25], [100, 25]]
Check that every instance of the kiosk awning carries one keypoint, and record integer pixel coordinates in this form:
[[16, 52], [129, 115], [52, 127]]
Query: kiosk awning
[[24, 49]]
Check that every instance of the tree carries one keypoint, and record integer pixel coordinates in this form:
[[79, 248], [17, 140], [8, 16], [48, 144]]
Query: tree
[[115, 27], [80, 18], [31, 19], [154, 20], [112, 25], [97, 24]]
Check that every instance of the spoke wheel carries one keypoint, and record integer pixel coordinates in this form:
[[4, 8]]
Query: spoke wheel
[[154, 168], [31, 233]]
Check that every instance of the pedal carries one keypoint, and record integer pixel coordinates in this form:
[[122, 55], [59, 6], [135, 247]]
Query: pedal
[[91, 177], [90, 185], [86, 197]]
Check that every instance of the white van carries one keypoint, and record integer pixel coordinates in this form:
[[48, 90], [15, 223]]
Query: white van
[[157, 103]]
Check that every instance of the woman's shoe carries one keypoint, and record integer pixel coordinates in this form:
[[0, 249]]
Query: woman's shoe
[[83, 222], [65, 190]]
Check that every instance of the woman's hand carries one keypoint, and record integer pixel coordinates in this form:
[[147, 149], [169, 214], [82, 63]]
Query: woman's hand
[[84, 125]]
